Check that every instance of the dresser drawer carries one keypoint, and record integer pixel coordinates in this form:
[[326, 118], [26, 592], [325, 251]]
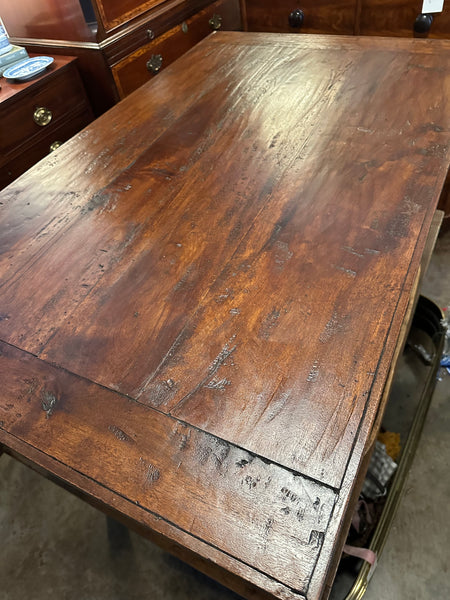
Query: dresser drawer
[[41, 109], [312, 16], [143, 64], [26, 156], [398, 18]]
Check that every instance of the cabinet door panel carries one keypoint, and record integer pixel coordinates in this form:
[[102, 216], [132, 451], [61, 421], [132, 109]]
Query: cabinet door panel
[[397, 17], [113, 13], [132, 71], [319, 16]]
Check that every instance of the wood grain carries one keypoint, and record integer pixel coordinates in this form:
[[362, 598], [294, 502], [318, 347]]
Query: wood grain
[[201, 483], [397, 17], [216, 272], [320, 16]]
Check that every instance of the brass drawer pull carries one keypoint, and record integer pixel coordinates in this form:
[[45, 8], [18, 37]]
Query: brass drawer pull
[[154, 63], [42, 116], [215, 22], [55, 146]]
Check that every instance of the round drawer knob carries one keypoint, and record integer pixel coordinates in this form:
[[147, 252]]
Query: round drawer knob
[[42, 116], [215, 22], [296, 18], [55, 146], [423, 23], [154, 63]]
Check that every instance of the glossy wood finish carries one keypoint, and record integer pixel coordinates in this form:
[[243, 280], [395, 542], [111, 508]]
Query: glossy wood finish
[[320, 16], [131, 72], [22, 141], [397, 17], [45, 19], [113, 13], [202, 297], [117, 40]]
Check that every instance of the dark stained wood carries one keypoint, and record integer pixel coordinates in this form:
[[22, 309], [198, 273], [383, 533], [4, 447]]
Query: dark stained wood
[[132, 71], [175, 462], [121, 35], [45, 19], [320, 16], [61, 95], [94, 70], [397, 17], [202, 297], [22, 141]]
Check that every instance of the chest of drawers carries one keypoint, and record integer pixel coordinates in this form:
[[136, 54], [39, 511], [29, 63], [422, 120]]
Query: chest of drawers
[[148, 60], [37, 116], [115, 40]]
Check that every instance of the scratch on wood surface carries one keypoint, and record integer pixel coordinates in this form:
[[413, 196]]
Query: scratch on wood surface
[[228, 293], [220, 384], [215, 449], [352, 251], [313, 374], [349, 272], [182, 435], [331, 328], [282, 254], [316, 538], [48, 402], [151, 473], [120, 434], [221, 359], [269, 323]]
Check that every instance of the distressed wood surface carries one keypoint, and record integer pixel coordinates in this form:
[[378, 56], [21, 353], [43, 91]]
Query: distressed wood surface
[[202, 294]]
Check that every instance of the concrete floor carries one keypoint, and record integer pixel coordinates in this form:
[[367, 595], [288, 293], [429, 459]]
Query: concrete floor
[[52, 545]]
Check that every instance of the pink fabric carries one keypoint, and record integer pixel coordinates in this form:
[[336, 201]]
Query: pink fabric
[[364, 553]]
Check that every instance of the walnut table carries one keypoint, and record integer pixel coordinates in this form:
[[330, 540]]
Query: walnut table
[[203, 296]]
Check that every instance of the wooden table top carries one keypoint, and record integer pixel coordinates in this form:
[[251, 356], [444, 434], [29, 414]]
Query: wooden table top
[[202, 292]]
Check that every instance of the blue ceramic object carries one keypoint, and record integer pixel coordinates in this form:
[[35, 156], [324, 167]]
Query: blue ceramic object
[[5, 46], [28, 68]]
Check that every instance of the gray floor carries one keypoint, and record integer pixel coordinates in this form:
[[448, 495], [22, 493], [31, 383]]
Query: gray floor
[[52, 545]]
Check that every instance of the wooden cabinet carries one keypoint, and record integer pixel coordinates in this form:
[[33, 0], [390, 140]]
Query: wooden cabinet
[[307, 16], [402, 18], [112, 38], [38, 116], [366, 17], [147, 61]]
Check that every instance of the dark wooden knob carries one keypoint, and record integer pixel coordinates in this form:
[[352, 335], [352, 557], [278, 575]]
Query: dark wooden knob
[[422, 23], [296, 18]]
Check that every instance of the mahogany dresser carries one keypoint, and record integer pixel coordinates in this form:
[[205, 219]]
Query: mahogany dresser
[[402, 18], [120, 44], [37, 116], [204, 296]]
